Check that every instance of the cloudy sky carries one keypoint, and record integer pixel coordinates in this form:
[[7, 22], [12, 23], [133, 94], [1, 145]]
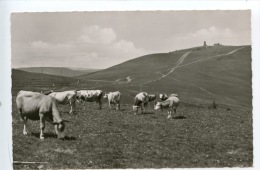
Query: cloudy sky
[[103, 39]]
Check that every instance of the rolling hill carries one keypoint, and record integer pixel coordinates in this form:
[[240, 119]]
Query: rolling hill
[[22, 80], [59, 71], [220, 73]]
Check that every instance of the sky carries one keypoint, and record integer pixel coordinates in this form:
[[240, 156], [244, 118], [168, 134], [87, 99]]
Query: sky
[[102, 39]]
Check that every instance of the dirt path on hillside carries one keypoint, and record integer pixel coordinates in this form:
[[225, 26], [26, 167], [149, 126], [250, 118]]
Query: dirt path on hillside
[[172, 69], [205, 59]]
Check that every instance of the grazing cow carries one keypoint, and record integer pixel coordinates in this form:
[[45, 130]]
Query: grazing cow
[[113, 98], [164, 97], [141, 99], [172, 103], [37, 106], [66, 97], [90, 96]]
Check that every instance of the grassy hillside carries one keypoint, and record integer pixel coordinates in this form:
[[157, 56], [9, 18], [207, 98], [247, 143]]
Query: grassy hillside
[[141, 65], [59, 71], [221, 73], [22, 80]]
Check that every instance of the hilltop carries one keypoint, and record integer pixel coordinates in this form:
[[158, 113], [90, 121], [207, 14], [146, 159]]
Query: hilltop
[[221, 73]]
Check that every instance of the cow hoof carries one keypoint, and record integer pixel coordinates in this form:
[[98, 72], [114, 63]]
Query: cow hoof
[[41, 137], [25, 133], [169, 117]]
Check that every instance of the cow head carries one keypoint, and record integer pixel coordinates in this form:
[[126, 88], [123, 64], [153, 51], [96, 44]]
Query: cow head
[[135, 108], [158, 106], [105, 96], [60, 129]]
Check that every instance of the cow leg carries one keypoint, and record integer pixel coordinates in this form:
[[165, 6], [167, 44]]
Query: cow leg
[[169, 114], [144, 105], [142, 108], [72, 107], [118, 106], [100, 105], [24, 118], [175, 111], [83, 105], [109, 104], [42, 125], [71, 110], [25, 132]]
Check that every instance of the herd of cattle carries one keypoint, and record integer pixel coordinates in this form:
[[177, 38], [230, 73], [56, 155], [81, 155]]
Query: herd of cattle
[[43, 105]]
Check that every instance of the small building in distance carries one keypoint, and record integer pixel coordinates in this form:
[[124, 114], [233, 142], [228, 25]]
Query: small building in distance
[[217, 44]]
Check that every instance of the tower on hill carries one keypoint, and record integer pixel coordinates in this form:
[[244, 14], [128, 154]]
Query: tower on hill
[[204, 45]]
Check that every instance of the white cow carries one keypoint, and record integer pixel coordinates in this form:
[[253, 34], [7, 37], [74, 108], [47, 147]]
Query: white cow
[[66, 97], [140, 100], [113, 98], [90, 96], [172, 103], [37, 106]]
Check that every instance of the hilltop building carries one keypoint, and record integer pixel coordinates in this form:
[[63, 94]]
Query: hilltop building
[[217, 44]]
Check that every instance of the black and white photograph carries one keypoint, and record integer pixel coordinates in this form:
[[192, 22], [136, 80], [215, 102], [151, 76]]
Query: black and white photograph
[[132, 89]]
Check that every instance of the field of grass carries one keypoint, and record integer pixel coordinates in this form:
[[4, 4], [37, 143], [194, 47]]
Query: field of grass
[[196, 137]]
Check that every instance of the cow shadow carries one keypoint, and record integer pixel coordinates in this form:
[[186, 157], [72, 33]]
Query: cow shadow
[[69, 138], [46, 135], [148, 113], [52, 136], [180, 117]]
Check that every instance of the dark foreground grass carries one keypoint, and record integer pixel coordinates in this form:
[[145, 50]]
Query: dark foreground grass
[[196, 137]]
